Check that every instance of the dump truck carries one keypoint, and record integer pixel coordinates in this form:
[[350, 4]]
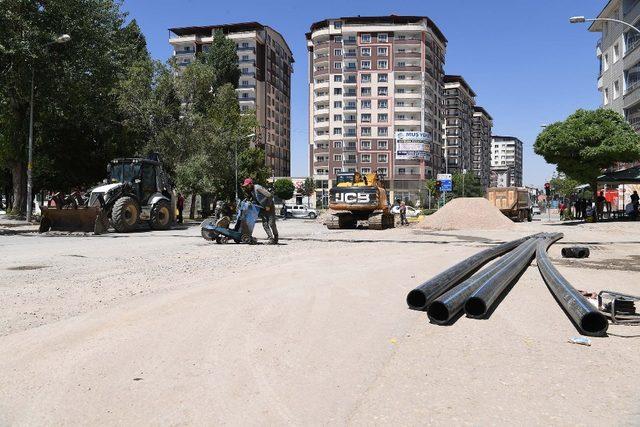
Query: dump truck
[[358, 198], [513, 202], [136, 192]]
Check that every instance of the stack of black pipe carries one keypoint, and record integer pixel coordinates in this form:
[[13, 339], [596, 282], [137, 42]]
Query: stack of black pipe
[[458, 288]]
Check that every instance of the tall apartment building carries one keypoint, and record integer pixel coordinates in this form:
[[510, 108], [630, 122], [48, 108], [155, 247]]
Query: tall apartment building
[[265, 61], [506, 161], [481, 145], [618, 51], [372, 79], [459, 100]]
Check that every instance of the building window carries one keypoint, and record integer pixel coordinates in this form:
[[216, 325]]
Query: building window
[[365, 78], [337, 24], [337, 131], [365, 158], [245, 44], [365, 131], [337, 65], [337, 157], [337, 104], [605, 62], [337, 91], [383, 64], [383, 131], [365, 145], [366, 38], [383, 51], [337, 78], [336, 171], [365, 170], [337, 117], [382, 172], [383, 117], [366, 104], [383, 158], [383, 38], [365, 118], [383, 77], [383, 145], [616, 89], [365, 65], [322, 171], [606, 96], [382, 91], [616, 52], [365, 51], [337, 144], [382, 103], [365, 91], [337, 52]]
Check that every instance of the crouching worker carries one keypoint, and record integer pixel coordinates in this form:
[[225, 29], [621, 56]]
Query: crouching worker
[[263, 198]]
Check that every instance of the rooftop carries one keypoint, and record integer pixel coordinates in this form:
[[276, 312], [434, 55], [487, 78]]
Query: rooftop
[[459, 79], [477, 109], [388, 19]]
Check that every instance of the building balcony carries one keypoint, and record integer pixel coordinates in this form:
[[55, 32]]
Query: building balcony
[[407, 67], [322, 109], [321, 46], [350, 161], [189, 52], [321, 72], [246, 99], [321, 124], [349, 42], [407, 54], [350, 147], [321, 98], [248, 73], [407, 41], [350, 81], [407, 107], [407, 122], [412, 81], [350, 93], [408, 95], [246, 49], [251, 87], [321, 137], [321, 85]]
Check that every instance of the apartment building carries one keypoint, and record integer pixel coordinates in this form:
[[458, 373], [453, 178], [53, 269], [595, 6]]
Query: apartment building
[[618, 52], [481, 145], [459, 100], [265, 61], [506, 161], [375, 99]]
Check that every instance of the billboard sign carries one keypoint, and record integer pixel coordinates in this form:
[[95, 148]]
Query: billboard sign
[[413, 145]]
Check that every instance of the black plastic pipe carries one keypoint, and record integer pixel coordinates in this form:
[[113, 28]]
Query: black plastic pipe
[[423, 295], [448, 305], [480, 302], [584, 315]]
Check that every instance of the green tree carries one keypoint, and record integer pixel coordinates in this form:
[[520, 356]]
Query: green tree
[[466, 185], [588, 142], [283, 188], [564, 186], [78, 124], [222, 58], [308, 188]]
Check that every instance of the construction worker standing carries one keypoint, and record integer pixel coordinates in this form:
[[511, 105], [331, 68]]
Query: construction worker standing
[[258, 195]]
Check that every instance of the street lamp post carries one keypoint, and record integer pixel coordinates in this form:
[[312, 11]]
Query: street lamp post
[[582, 19], [62, 39]]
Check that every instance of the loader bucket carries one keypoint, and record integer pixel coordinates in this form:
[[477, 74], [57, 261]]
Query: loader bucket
[[84, 219]]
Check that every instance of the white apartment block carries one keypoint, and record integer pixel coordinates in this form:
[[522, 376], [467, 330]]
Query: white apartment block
[[265, 61], [506, 161], [370, 77]]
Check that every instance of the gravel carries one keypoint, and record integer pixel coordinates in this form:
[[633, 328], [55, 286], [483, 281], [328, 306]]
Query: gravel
[[467, 213]]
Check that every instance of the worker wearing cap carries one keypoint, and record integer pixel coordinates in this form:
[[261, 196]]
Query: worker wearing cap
[[263, 198]]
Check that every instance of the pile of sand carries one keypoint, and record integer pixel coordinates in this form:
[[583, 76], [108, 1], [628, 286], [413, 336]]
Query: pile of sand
[[467, 213]]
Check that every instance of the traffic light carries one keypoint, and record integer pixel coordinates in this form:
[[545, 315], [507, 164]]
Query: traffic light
[[438, 186], [547, 189]]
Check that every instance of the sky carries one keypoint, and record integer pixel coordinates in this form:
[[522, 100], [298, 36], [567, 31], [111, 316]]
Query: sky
[[528, 65]]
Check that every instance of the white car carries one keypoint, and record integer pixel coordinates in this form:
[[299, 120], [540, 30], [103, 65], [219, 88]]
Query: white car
[[301, 211], [535, 210], [411, 211]]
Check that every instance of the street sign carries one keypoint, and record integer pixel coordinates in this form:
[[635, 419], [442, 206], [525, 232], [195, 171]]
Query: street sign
[[446, 183]]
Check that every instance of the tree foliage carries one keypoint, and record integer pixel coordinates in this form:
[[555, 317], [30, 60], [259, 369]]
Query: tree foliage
[[564, 186], [588, 142], [283, 188]]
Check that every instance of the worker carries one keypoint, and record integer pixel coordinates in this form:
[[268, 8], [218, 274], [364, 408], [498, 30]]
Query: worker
[[180, 206], [259, 195], [635, 199], [600, 202], [403, 213]]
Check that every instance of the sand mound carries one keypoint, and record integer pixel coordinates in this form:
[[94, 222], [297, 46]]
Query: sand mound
[[467, 213]]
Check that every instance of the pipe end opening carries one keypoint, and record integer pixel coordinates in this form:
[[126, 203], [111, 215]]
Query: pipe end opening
[[594, 323], [438, 312], [416, 300], [475, 307]]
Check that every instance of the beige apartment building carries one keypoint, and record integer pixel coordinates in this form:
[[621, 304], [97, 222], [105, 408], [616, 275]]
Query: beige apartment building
[[481, 145], [506, 161], [375, 100], [265, 61]]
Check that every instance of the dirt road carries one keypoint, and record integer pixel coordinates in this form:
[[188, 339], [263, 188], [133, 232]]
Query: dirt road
[[165, 328]]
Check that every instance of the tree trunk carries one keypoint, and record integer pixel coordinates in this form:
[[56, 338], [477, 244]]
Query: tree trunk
[[192, 209], [19, 179]]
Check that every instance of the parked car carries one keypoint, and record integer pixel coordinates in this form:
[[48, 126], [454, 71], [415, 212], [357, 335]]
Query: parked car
[[301, 211], [411, 211], [535, 210]]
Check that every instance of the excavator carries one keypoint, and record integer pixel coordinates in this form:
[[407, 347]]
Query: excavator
[[358, 198]]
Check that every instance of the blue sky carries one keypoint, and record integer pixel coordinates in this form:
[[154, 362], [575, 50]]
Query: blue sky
[[524, 60]]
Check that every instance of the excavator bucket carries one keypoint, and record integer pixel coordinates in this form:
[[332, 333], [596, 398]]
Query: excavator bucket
[[87, 219]]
